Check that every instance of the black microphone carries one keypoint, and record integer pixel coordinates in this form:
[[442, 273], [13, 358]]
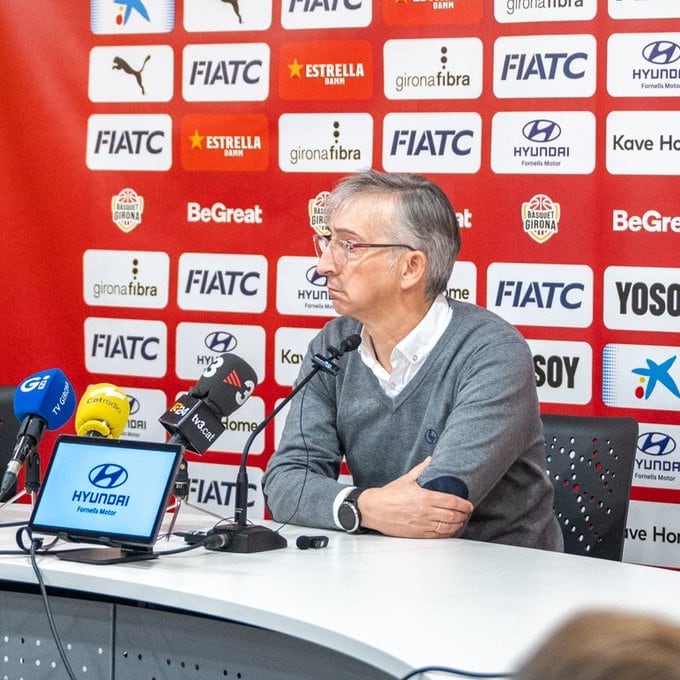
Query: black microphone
[[304, 542], [196, 419], [448, 484], [252, 538]]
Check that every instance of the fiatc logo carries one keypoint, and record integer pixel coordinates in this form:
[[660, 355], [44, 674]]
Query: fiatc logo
[[341, 69], [432, 142], [436, 68], [325, 142], [641, 376], [642, 298], [131, 73], [129, 142], [126, 347], [132, 16], [233, 72], [643, 64], [222, 283], [233, 15], [543, 142], [541, 294], [545, 66], [643, 143], [431, 13], [326, 13], [225, 142]]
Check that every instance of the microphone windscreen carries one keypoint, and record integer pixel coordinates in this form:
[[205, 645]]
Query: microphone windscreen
[[350, 343], [226, 384], [303, 542], [46, 394], [104, 409], [448, 484]]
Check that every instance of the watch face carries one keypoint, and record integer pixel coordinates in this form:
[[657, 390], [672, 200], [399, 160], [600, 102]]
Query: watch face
[[347, 517]]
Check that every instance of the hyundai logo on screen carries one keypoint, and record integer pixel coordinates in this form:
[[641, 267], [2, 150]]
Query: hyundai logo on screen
[[656, 443], [661, 52], [541, 130], [108, 476], [221, 341]]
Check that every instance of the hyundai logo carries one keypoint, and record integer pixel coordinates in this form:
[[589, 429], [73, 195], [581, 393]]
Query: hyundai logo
[[541, 130], [656, 443], [108, 476], [134, 404], [661, 52], [220, 342], [315, 278]]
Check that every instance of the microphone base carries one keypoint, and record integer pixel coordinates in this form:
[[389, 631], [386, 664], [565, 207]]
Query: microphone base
[[251, 538]]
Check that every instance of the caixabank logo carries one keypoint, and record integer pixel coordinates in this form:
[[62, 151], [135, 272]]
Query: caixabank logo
[[641, 376], [540, 66], [228, 15], [132, 16], [228, 72], [543, 142], [432, 142], [431, 12], [642, 298], [339, 69], [131, 73], [643, 65], [235, 142], [325, 142], [433, 68]]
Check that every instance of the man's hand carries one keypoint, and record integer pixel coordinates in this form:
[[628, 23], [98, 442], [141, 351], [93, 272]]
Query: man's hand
[[403, 508]]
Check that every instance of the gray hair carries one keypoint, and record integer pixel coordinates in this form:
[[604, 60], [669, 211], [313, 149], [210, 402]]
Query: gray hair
[[422, 218]]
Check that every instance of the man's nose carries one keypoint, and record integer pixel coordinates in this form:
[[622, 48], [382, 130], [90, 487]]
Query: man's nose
[[327, 264]]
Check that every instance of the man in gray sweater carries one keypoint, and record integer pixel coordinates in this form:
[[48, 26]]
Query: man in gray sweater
[[439, 391]]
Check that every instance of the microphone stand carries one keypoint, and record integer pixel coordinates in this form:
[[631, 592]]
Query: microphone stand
[[31, 479], [240, 536]]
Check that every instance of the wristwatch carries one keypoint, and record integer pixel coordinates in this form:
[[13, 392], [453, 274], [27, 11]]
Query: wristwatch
[[349, 516]]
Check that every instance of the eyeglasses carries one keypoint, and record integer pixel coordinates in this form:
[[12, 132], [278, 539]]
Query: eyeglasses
[[340, 249]]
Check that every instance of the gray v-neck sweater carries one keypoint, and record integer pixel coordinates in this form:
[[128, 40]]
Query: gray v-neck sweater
[[472, 406]]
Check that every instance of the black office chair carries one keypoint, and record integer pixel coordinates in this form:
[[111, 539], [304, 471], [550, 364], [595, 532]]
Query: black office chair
[[9, 426], [590, 462]]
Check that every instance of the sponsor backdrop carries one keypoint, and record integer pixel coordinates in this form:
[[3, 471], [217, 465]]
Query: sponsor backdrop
[[165, 165]]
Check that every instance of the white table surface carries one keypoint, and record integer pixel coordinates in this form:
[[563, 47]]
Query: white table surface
[[397, 604]]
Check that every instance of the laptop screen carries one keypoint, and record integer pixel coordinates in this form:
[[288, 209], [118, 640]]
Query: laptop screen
[[108, 491]]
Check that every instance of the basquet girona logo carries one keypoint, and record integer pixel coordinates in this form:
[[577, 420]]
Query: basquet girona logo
[[231, 142]]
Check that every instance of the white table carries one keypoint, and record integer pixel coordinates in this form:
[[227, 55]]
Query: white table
[[395, 604]]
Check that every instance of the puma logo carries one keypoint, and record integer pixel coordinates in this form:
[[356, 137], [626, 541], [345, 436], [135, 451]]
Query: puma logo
[[234, 5], [121, 65]]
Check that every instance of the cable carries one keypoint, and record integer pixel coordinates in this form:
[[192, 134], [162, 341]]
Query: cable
[[7, 525], [453, 671], [184, 548], [35, 545]]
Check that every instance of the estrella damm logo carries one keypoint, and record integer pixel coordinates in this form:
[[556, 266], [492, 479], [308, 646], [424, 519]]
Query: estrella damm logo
[[341, 69], [431, 12], [232, 142]]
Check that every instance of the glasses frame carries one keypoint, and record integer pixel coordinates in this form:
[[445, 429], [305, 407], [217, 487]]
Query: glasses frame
[[349, 246]]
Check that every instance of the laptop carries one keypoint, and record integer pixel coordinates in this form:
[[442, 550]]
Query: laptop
[[112, 492]]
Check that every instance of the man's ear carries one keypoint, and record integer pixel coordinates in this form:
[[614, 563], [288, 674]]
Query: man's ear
[[414, 269]]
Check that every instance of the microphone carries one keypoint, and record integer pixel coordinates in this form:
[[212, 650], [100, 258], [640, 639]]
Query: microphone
[[304, 542], [196, 419], [43, 401], [448, 484], [102, 411], [252, 538]]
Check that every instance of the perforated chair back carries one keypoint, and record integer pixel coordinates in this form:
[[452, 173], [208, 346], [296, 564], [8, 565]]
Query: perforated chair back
[[9, 427], [590, 462]]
